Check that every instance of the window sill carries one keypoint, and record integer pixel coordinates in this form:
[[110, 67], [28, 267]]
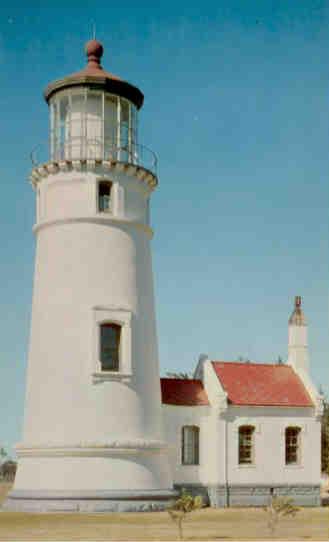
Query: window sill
[[294, 466], [110, 376], [246, 466]]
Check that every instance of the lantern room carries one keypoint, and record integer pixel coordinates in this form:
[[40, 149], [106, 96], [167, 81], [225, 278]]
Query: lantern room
[[92, 124], [93, 114]]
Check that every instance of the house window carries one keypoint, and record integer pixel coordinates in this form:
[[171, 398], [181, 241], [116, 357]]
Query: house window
[[246, 444], [110, 335], [292, 445], [190, 445], [104, 196]]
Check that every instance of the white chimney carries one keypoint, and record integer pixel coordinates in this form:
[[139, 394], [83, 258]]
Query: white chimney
[[297, 338]]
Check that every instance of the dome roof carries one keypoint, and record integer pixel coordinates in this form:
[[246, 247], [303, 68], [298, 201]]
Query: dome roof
[[94, 76], [297, 318]]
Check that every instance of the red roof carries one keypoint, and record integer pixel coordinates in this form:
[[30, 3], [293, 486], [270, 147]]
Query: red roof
[[259, 384], [184, 392]]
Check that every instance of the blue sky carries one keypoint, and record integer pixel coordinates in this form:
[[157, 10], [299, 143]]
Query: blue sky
[[236, 107]]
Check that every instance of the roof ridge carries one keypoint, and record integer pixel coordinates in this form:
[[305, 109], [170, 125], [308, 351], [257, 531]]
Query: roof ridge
[[181, 379], [246, 363]]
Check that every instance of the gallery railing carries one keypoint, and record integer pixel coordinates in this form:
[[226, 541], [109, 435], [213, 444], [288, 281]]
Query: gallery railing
[[78, 148]]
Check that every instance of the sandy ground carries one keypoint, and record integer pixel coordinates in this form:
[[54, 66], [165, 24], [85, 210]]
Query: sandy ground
[[207, 524]]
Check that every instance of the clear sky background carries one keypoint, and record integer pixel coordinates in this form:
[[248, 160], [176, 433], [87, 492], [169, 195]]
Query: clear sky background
[[236, 107]]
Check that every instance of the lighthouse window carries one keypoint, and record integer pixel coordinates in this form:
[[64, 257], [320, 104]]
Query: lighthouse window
[[77, 125], [63, 125], [94, 125], [88, 124], [104, 196], [110, 346], [133, 123], [124, 124], [53, 134], [110, 126], [190, 445]]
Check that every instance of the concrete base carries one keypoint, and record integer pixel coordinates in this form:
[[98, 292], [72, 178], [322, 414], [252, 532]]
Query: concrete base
[[221, 496], [88, 502], [259, 495], [217, 496]]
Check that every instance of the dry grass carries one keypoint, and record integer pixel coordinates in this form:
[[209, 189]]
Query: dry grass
[[207, 524]]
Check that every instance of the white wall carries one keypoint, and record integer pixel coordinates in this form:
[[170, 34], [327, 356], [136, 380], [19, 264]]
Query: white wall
[[175, 417], [74, 195], [298, 355], [269, 465]]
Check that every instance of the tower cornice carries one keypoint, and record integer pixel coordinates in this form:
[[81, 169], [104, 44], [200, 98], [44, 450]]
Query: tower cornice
[[99, 166]]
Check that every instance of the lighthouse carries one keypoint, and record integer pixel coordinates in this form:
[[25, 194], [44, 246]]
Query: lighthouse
[[93, 438]]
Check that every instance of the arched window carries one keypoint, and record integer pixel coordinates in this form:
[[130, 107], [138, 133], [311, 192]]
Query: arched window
[[292, 435], [110, 335], [246, 444], [190, 445]]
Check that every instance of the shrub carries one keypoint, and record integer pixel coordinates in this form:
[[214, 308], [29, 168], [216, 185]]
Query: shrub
[[183, 506], [277, 508]]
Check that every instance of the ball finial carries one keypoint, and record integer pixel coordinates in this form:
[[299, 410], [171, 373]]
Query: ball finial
[[298, 301], [94, 50]]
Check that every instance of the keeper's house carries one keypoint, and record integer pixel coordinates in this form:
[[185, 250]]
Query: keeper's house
[[240, 432]]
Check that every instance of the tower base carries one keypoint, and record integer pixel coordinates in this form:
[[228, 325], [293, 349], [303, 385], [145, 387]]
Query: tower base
[[88, 501]]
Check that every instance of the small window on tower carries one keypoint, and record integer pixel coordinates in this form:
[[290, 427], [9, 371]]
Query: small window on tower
[[110, 335], [104, 196]]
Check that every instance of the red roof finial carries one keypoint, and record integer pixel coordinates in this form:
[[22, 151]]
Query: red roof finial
[[297, 318], [94, 50]]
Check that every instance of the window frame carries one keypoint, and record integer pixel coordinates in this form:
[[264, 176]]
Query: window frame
[[297, 452], [121, 317], [118, 346], [241, 462], [195, 457], [109, 209]]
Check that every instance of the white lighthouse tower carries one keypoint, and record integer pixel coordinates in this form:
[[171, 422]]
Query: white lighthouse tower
[[93, 436]]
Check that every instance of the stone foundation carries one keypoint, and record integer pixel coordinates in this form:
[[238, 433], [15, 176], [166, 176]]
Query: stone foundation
[[217, 496], [259, 495], [221, 496], [88, 502]]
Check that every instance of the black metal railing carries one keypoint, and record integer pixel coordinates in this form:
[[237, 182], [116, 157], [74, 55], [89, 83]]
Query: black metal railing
[[78, 148]]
